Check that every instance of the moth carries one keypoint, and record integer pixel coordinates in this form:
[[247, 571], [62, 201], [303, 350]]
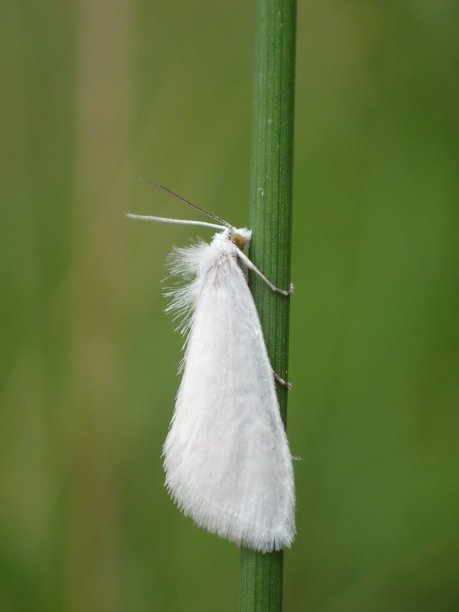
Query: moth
[[226, 457]]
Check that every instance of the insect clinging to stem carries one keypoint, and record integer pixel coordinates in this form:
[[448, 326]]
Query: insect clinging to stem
[[226, 456]]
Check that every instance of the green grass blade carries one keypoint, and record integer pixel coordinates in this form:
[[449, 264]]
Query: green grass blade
[[271, 220]]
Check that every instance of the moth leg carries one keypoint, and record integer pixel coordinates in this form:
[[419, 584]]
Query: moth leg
[[281, 381], [254, 268]]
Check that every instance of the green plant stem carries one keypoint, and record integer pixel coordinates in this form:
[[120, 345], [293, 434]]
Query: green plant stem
[[271, 220]]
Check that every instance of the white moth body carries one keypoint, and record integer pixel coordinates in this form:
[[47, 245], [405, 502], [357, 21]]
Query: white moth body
[[226, 456]]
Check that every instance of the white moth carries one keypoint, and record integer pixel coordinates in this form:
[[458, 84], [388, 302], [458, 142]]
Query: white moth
[[226, 456]]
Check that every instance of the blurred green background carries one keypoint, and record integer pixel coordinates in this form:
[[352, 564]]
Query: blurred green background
[[96, 93]]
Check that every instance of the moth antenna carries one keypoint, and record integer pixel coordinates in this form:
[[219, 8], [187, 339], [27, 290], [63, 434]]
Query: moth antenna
[[179, 197], [176, 221]]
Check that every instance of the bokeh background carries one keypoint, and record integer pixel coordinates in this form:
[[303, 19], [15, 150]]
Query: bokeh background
[[97, 93]]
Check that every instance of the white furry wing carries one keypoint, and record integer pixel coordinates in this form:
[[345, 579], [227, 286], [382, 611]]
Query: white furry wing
[[226, 456]]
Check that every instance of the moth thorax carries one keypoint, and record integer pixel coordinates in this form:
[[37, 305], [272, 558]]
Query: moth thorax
[[241, 238]]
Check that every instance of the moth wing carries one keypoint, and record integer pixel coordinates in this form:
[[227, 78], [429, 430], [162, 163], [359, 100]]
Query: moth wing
[[226, 456]]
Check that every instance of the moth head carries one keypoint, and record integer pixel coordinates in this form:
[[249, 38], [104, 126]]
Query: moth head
[[241, 237]]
